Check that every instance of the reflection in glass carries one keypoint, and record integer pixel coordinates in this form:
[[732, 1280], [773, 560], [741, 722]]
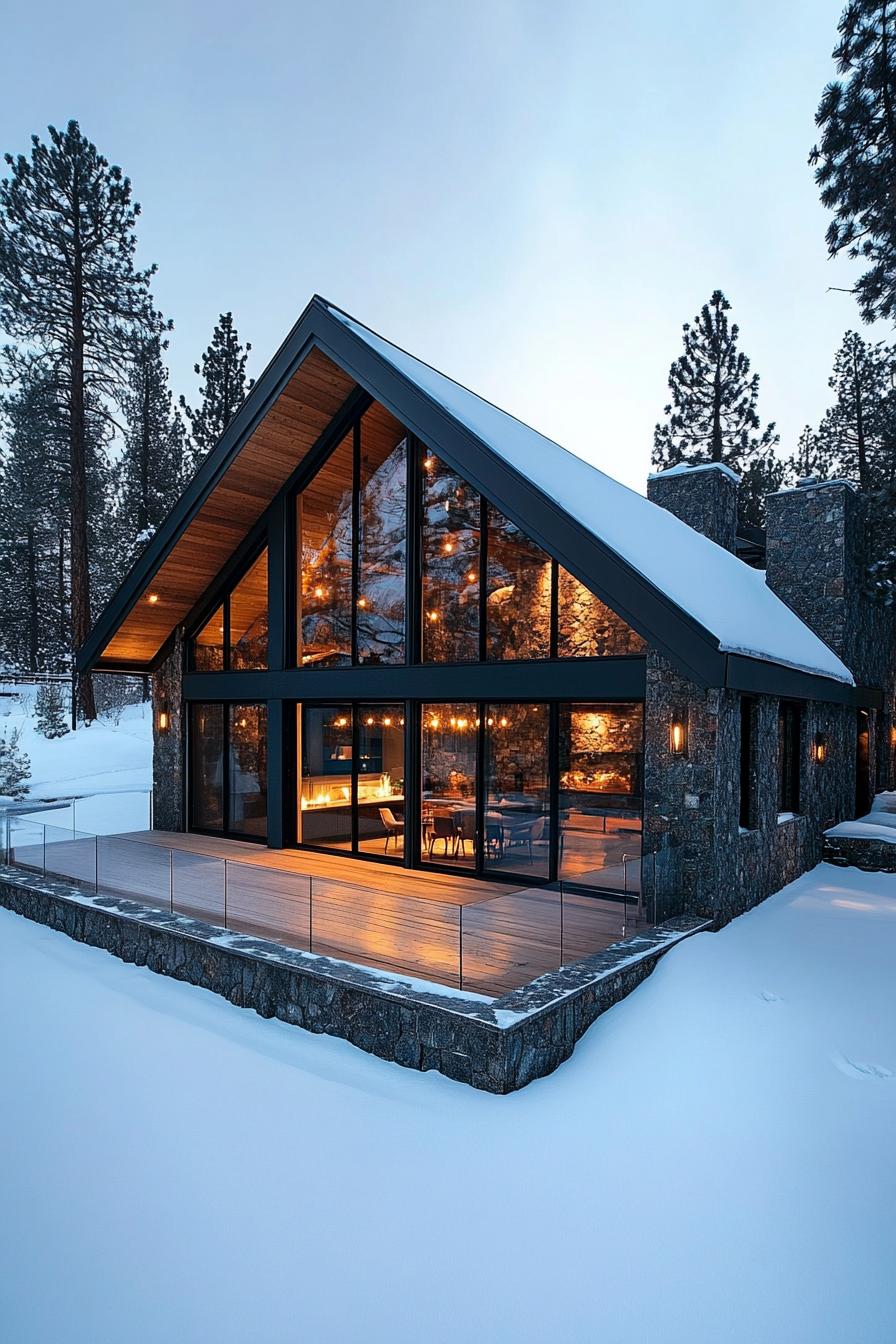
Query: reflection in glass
[[450, 550], [517, 805], [449, 738], [518, 604], [586, 627], [248, 773], [249, 618], [325, 809], [380, 779], [324, 528], [382, 543], [208, 646], [207, 767], [601, 763]]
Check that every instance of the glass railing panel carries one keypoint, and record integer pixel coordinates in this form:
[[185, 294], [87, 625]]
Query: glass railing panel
[[136, 868], [592, 922], [409, 935], [70, 854], [269, 902], [197, 886], [509, 940], [25, 844]]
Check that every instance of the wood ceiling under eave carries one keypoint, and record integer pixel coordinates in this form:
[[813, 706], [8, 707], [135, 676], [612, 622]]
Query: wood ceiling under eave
[[263, 465]]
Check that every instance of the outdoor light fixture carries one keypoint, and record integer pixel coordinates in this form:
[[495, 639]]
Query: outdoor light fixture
[[678, 736], [893, 736], [153, 599], [820, 749], [163, 717]]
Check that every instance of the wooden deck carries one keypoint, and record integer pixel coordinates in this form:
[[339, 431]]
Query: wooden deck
[[487, 937]]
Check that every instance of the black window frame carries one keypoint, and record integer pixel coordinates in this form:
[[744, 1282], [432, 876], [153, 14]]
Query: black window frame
[[220, 597], [790, 716], [225, 831]]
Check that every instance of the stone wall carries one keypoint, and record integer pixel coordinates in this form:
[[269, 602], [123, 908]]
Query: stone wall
[[692, 802], [495, 1045], [168, 746], [704, 497]]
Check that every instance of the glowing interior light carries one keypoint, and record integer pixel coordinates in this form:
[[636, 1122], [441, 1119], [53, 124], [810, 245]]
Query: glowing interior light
[[503, 723], [433, 615], [318, 592], [471, 577], [369, 721], [387, 722], [362, 601]]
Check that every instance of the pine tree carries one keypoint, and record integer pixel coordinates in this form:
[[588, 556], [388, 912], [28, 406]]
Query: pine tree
[[763, 475], [712, 416], [152, 469], [855, 158], [49, 711], [15, 767], [71, 294], [812, 457], [32, 520], [224, 387], [857, 435]]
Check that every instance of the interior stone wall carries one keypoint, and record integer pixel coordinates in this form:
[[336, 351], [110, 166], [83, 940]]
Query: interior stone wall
[[168, 746]]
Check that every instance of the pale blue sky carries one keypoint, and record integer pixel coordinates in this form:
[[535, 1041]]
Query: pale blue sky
[[531, 196]]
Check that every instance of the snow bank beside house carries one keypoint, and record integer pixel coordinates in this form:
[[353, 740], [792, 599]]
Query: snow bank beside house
[[725, 596], [106, 758], [878, 824], [715, 1163]]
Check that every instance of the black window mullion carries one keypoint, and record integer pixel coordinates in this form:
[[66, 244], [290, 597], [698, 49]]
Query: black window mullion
[[354, 710], [483, 584], [413, 604], [412, 810], [481, 787], [553, 791], [356, 539], [225, 661], [225, 766], [555, 610]]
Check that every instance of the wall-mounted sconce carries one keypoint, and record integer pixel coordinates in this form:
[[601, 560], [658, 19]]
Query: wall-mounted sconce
[[678, 735], [893, 736], [820, 749], [164, 720]]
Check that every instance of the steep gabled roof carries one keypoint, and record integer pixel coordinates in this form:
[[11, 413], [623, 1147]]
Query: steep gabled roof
[[690, 598]]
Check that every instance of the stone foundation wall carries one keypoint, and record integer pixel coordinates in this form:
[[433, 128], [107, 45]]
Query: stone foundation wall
[[874, 856], [495, 1045]]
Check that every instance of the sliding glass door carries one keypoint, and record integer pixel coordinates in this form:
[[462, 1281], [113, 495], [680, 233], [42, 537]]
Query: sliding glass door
[[517, 803], [352, 779], [228, 769]]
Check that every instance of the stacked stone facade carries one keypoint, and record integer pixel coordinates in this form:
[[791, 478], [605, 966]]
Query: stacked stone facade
[[168, 745], [704, 497]]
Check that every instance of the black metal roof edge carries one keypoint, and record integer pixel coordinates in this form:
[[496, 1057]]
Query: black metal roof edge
[[756, 676], [688, 644]]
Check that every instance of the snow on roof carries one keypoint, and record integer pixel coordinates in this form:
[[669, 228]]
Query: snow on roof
[[688, 468], [726, 597]]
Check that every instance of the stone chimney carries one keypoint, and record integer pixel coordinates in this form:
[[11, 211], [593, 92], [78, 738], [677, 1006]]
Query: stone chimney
[[814, 560], [704, 497]]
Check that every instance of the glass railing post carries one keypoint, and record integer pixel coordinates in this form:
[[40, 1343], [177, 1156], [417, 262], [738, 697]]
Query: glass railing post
[[171, 881], [310, 914], [460, 948], [44, 829], [96, 863], [225, 893]]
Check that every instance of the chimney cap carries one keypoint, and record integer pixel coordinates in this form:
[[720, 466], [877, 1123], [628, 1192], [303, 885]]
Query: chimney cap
[[689, 468]]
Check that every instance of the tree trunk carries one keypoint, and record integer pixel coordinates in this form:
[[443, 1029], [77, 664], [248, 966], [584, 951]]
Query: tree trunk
[[33, 618], [143, 505], [60, 579], [860, 424], [80, 577]]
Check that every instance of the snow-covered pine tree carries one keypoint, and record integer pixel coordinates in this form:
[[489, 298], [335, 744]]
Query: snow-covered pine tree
[[49, 711], [70, 294], [855, 158], [712, 414], [152, 468], [15, 767], [224, 386]]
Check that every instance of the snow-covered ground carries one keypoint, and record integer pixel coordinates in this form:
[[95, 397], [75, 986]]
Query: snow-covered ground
[[878, 824], [715, 1164], [108, 759]]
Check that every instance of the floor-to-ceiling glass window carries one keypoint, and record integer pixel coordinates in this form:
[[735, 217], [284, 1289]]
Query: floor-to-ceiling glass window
[[207, 767], [249, 618], [325, 805], [382, 539], [247, 779], [600, 788], [449, 754], [518, 593], [450, 535], [324, 531], [379, 780], [228, 769], [517, 780], [586, 626], [208, 645]]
